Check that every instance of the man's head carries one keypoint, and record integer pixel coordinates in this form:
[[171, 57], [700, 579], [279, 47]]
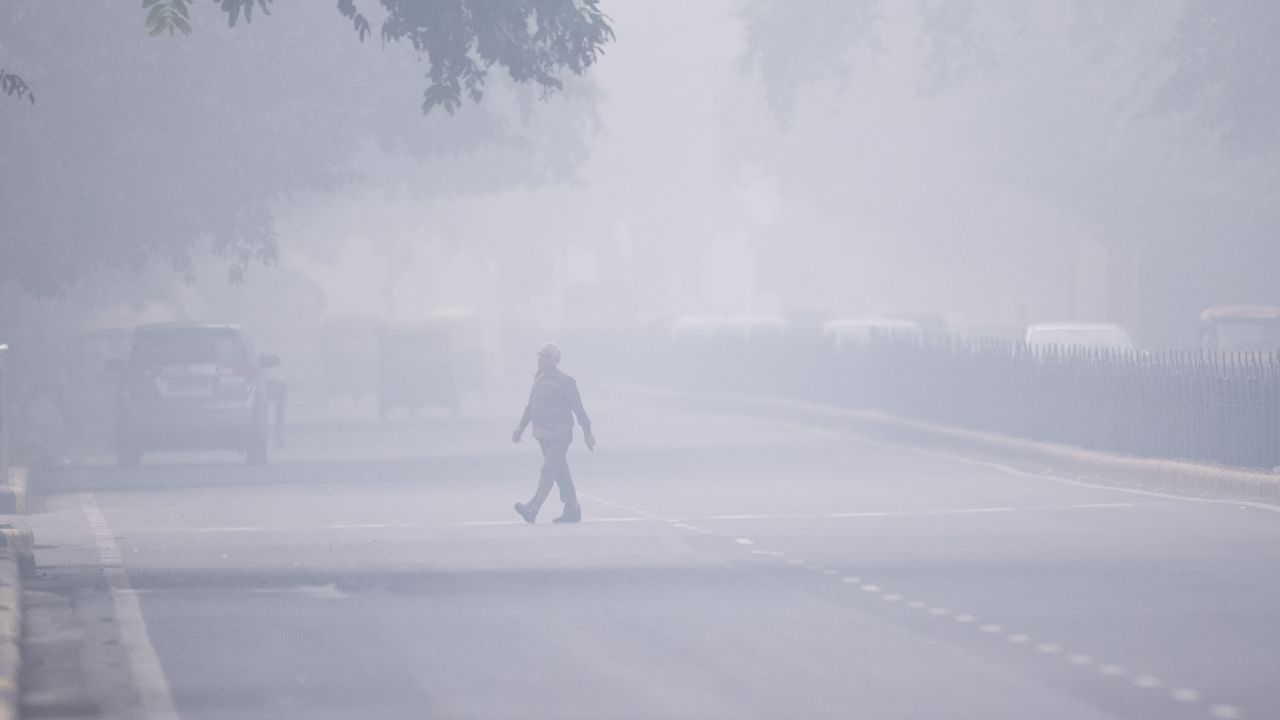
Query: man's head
[[548, 356]]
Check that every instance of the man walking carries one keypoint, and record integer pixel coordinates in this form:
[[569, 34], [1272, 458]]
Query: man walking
[[553, 403]]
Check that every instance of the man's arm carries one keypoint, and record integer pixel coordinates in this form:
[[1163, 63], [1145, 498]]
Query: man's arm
[[524, 420], [575, 404]]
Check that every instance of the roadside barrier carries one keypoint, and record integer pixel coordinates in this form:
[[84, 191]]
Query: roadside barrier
[[1063, 460], [1190, 405]]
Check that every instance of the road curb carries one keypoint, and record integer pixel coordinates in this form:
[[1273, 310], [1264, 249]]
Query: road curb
[[13, 495], [17, 543], [10, 634], [1174, 475]]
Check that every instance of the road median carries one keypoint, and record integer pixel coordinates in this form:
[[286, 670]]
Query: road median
[[1148, 473]]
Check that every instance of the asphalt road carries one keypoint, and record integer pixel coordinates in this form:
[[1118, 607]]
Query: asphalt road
[[727, 567]]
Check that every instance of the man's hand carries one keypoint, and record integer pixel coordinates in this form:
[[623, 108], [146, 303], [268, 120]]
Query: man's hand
[[515, 436], [591, 441]]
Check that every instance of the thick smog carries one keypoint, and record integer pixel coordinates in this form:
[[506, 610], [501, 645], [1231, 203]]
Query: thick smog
[[639, 359]]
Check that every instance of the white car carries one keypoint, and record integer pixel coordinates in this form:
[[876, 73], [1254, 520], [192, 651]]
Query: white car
[[1091, 335]]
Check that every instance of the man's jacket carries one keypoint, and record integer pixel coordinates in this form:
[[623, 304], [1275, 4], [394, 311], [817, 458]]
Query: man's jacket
[[553, 402]]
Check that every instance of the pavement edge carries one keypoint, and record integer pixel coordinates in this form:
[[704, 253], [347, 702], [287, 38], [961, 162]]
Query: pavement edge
[[13, 493], [1127, 470], [10, 633]]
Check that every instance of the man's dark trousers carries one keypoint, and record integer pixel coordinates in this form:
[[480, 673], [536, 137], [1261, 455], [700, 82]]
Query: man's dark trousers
[[555, 471]]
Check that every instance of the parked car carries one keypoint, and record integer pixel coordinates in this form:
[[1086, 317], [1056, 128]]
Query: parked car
[[188, 386], [1091, 335], [1240, 328]]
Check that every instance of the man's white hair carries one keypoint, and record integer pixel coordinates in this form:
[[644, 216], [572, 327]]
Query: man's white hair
[[551, 350]]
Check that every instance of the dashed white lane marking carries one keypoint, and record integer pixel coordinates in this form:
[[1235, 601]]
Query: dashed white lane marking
[[1079, 659], [144, 663]]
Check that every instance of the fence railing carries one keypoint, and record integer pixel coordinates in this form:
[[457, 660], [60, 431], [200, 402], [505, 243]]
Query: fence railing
[[1194, 405]]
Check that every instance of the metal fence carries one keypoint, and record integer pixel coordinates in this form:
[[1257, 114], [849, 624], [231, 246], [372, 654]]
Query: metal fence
[[1194, 405]]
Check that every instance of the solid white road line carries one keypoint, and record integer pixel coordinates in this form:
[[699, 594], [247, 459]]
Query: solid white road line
[[1001, 467], [919, 513], [144, 663]]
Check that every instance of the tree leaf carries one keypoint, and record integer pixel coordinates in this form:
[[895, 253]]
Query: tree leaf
[[158, 16]]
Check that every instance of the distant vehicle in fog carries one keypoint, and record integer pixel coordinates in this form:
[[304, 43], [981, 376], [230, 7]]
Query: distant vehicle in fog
[[756, 327], [1240, 328], [1091, 335], [697, 327], [90, 388], [189, 386], [844, 333], [416, 369]]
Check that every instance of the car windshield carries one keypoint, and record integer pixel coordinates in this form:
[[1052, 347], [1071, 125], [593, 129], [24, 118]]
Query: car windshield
[[189, 346]]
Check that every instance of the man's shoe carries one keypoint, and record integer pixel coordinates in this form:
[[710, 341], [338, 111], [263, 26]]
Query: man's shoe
[[528, 515], [569, 516]]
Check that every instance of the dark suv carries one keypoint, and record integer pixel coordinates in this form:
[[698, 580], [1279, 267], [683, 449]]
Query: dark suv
[[187, 386]]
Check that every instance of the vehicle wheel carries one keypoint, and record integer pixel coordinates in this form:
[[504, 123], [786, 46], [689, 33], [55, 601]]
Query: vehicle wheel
[[128, 455], [257, 451]]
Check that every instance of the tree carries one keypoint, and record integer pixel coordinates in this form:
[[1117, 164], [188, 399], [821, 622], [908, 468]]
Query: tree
[[533, 40], [1144, 126], [143, 150]]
